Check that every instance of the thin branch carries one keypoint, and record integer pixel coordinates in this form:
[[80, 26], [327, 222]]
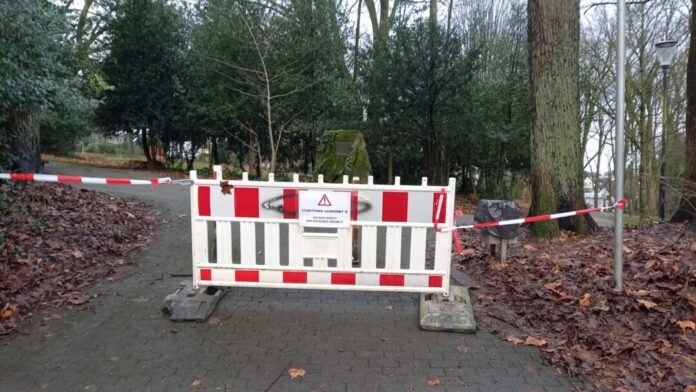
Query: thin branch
[[233, 65], [294, 91], [613, 3]]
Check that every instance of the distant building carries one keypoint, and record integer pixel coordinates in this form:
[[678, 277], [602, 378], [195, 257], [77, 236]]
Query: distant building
[[604, 199]]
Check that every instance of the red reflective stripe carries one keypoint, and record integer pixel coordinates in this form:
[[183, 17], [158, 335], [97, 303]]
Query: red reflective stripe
[[457, 241], [486, 224], [537, 218], [587, 211], [246, 275], [435, 281], [354, 205], [246, 202], [204, 201], [21, 176], [394, 206], [290, 203], [206, 274], [154, 181], [342, 278], [69, 179], [118, 181], [391, 280], [436, 200], [294, 277]]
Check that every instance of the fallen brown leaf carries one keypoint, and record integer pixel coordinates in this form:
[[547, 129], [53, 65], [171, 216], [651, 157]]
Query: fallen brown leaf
[[690, 388], [296, 372], [584, 301], [226, 188], [8, 311], [463, 348], [215, 320], [513, 339], [197, 382], [647, 304], [532, 341], [468, 252], [434, 381], [529, 247], [686, 324]]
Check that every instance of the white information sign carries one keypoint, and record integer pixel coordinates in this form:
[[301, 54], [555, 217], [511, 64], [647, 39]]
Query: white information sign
[[324, 209]]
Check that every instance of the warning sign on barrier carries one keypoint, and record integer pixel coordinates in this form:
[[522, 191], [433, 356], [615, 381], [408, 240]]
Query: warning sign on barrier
[[324, 209]]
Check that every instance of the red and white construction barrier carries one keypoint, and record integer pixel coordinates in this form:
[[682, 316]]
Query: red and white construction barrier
[[82, 180], [620, 204]]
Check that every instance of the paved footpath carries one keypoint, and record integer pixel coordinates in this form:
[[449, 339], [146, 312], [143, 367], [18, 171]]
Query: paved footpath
[[345, 341]]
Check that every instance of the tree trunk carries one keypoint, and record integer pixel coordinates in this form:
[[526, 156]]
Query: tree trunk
[[131, 147], [687, 206], [215, 155], [145, 144], [556, 167], [356, 47], [25, 146], [251, 158]]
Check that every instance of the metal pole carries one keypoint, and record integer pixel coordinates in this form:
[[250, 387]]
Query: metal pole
[[619, 156], [662, 199]]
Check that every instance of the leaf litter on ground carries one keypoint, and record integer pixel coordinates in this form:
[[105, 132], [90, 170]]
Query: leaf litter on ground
[[57, 240], [561, 292]]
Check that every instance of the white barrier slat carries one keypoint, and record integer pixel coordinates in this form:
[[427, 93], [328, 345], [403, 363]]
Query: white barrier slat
[[345, 248], [247, 243], [199, 235], [443, 250], [443, 240], [271, 246], [295, 246], [417, 254], [368, 247], [223, 239], [392, 258]]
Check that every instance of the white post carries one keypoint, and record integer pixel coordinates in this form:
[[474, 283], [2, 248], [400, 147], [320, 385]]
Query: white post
[[619, 156]]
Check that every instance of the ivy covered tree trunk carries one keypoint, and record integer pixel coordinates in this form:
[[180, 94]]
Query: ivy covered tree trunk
[[556, 167], [687, 207], [25, 147]]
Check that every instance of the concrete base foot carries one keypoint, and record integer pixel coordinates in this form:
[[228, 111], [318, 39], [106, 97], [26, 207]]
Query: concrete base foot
[[452, 313], [189, 304]]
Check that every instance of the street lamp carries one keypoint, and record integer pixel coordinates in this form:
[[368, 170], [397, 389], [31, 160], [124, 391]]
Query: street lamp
[[665, 52]]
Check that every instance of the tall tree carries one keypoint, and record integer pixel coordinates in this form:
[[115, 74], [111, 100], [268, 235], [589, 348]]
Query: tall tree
[[146, 56], [687, 207], [34, 75], [556, 167]]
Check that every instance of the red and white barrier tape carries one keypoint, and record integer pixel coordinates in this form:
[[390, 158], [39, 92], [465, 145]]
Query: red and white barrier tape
[[82, 180], [620, 204]]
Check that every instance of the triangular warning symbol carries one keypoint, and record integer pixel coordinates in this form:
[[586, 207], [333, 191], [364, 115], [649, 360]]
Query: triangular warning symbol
[[324, 202]]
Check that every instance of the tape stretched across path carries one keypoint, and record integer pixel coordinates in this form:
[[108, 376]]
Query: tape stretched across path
[[620, 204], [82, 180]]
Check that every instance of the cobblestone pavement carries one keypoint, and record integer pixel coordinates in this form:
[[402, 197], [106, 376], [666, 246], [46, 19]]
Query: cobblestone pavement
[[345, 341]]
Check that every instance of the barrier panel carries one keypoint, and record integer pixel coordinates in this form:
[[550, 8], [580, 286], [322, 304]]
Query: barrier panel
[[316, 235]]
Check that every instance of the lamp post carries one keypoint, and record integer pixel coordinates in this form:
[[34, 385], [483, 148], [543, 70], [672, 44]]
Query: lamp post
[[619, 154], [665, 51]]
